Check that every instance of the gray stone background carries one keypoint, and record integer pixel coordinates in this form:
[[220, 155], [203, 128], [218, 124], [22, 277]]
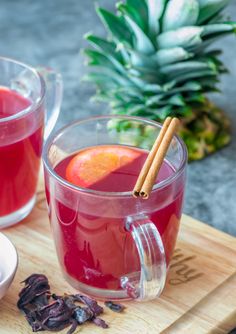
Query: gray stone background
[[50, 32]]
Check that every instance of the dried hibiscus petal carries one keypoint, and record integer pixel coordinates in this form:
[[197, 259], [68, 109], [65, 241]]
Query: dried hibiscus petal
[[55, 316], [57, 310], [100, 322], [31, 317], [69, 299], [36, 286], [90, 302], [114, 306], [35, 277], [82, 314], [73, 327]]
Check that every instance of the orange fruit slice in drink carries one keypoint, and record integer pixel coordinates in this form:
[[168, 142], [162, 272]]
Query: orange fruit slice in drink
[[93, 164]]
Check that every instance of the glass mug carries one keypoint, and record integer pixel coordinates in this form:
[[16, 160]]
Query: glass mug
[[111, 245], [25, 95]]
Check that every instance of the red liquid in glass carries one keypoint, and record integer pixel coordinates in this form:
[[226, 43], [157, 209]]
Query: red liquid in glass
[[93, 245], [20, 152]]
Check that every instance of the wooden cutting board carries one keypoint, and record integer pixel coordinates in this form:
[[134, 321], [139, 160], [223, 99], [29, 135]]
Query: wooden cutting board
[[199, 297]]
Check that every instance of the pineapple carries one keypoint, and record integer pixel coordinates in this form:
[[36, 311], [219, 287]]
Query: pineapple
[[156, 63]]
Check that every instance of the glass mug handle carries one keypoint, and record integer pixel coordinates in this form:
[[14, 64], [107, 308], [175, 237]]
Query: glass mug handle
[[53, 98], [149, 282]]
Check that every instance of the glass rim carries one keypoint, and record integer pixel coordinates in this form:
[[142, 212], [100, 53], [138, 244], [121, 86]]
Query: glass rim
[[52, 138], [35, 105]]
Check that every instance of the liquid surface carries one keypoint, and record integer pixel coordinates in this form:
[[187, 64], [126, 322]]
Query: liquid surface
[[93, 245], [107, 168], [11, 102], [19, 158]]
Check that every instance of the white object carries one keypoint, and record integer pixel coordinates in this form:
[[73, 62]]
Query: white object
[[8, 263]]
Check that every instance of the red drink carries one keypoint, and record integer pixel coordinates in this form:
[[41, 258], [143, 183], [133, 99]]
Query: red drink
[[92, 242], [20, 151]]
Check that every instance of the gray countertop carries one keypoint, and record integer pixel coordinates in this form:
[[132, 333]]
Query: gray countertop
[[51, 33]]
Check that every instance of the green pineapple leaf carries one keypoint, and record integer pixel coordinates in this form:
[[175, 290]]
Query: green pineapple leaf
[[185, 37], [105, 62], [176, 100], [141, 7], [185, 67], [180, 13], [170, 56], [133, 13], [142, 43], [210, 8], [215, 30], [116, 26], [155, 11], [104, 46]]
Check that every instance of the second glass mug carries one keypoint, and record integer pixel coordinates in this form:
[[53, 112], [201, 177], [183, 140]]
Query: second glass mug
[[37, 94], [111, 245]]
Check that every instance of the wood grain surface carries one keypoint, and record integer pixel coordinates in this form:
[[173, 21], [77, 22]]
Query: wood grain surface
[[199, 297]]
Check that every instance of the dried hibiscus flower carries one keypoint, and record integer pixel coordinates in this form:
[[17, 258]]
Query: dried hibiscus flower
[[46, 311], [114, 306]]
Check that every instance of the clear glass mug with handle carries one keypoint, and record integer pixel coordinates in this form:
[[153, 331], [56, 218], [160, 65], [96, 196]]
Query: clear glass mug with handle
[[30, 102], [111, 245]]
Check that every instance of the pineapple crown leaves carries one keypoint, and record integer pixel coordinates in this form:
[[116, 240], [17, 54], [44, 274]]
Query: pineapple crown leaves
[[155, 61]]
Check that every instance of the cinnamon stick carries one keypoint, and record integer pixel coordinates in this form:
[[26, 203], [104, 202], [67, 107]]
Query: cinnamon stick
[[149, 160], [149, 172], [158, 159]]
